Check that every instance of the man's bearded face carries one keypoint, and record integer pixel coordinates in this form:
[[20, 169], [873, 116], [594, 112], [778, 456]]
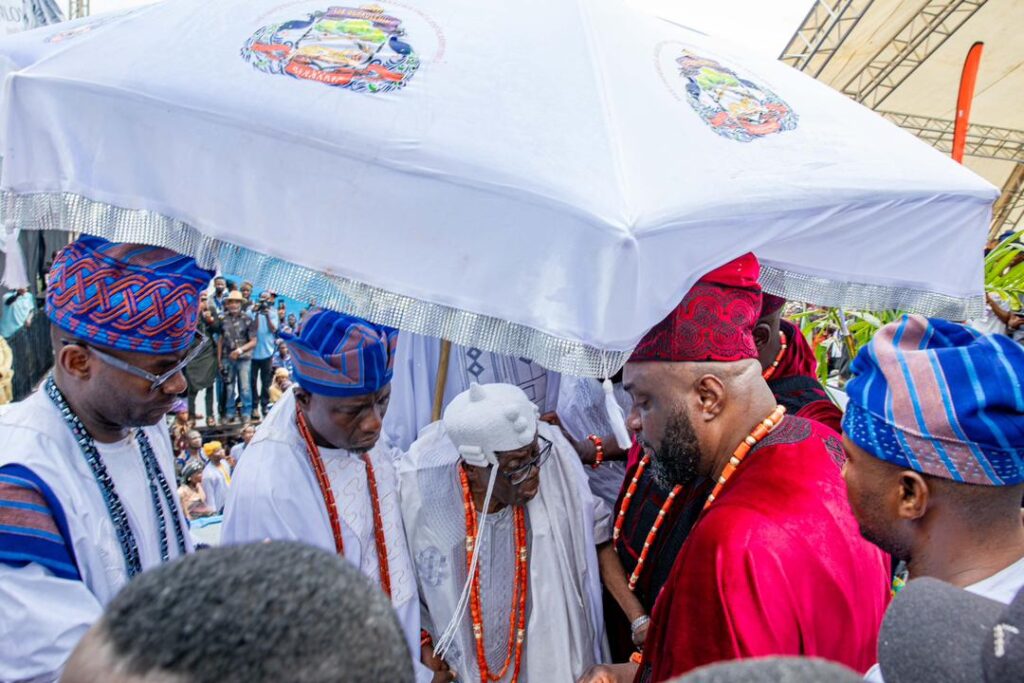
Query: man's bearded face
[[678, 459]]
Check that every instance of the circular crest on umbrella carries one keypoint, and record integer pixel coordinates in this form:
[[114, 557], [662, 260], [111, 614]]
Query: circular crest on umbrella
[[359, 48], [736, 107]]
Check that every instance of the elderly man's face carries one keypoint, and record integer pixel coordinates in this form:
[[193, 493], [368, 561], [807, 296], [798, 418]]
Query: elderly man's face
[[513, 466], [233, 307], [353, 423]]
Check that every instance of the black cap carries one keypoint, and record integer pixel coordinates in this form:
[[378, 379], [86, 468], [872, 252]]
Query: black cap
[[934, 631]]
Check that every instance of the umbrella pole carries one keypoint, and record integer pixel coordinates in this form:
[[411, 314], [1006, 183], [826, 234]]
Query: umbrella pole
[[442, 380]]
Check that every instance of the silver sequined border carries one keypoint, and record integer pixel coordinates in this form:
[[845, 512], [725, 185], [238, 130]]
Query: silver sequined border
[[70, 211], [860, 296]]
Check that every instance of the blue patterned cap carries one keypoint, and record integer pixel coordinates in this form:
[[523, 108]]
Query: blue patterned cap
[[131, 297], [940, 398], [341, 355]]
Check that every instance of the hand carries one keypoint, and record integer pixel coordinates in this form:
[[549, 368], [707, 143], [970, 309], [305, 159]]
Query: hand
[[235, 354], [552, 419], [1015, 321], [441, 670], [609, 673], [584, 449]]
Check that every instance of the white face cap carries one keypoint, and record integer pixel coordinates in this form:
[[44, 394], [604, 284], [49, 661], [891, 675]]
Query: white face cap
[[488, 419]]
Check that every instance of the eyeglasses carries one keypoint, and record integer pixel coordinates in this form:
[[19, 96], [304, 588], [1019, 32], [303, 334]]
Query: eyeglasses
[[522, 473], [155, 381]]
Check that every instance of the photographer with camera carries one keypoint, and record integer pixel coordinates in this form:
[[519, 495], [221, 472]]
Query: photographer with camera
[[263, 353]]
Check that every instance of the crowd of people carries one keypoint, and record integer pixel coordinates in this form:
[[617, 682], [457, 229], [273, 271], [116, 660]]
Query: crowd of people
[[245, 363], [709, 512]]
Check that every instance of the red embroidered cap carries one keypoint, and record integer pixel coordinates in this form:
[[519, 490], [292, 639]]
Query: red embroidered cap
[[714, 321]]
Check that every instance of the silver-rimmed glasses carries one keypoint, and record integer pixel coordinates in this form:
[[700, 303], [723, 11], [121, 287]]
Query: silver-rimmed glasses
[[155, 381], [522, 473]]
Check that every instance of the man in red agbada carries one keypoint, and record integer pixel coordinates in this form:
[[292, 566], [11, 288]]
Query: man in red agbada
[[775, 564]]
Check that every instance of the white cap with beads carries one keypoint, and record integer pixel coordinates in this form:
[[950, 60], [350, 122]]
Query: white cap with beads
[[488, 419]]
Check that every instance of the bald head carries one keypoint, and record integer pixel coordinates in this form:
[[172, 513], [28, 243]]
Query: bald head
[[690, 414]]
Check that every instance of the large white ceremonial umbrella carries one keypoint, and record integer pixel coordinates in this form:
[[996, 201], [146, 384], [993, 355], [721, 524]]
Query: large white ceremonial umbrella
[[537, 178]]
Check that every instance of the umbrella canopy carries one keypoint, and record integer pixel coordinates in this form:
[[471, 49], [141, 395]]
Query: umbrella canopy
[[542, 178]]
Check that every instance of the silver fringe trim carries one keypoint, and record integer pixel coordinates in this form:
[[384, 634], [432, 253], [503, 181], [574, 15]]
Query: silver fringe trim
[[70, 211], [861, 296]]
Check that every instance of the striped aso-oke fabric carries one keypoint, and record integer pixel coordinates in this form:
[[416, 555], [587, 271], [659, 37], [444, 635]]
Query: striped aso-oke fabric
[[341, 355], [942, 399]]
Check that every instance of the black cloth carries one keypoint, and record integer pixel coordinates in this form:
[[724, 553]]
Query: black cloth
[[261, 375], [202, 371], [237, 331], [643, 509]]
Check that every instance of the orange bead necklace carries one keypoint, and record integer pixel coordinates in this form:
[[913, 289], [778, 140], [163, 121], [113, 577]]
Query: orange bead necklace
[[621, 517], [763, 429], [327, 492], [770, 370], [517, 616]]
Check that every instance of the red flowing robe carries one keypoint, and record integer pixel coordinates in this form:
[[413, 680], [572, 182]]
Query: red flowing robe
[[795, 382], [776, 566]]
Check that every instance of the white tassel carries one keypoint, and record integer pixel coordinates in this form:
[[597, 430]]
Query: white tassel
[[616, 417], [15, 273], [451, 630]]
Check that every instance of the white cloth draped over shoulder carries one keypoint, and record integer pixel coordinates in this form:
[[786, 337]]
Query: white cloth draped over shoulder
[[416, 362], [565, 626], [42, 617], [274, 495]]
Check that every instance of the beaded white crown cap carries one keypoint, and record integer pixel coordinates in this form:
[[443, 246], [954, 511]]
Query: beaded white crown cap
[[490, 418]]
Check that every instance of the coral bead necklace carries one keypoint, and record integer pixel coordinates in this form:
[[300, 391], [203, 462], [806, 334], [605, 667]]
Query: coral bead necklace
[[517, 616], [317, 462]]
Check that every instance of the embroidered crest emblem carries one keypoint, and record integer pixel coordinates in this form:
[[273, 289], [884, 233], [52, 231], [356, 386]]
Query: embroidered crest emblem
[[359, 48], [734, 107], [432, 566]]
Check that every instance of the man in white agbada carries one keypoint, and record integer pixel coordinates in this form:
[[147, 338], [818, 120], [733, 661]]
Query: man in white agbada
[[316, 470], [416, 364], [539, 535], [87, 495]]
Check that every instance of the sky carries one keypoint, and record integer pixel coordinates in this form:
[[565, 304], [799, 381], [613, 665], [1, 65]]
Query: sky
[[764, 26]]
